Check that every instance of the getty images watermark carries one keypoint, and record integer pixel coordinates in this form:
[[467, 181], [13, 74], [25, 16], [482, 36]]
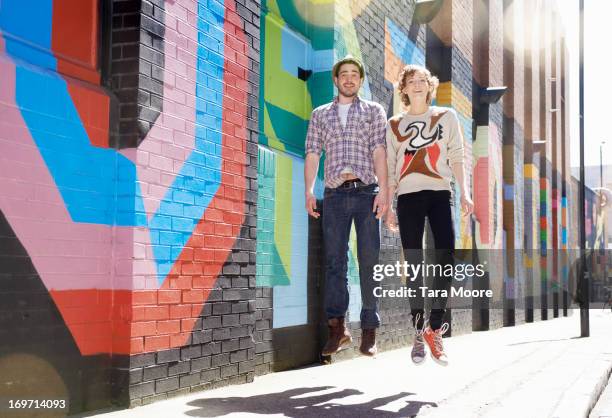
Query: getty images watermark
[[412, 272]]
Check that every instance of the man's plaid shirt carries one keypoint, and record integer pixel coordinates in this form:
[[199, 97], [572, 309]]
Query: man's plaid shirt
[[351, 147]]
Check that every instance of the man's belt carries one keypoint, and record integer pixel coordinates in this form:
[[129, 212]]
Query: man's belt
[[352, 184]]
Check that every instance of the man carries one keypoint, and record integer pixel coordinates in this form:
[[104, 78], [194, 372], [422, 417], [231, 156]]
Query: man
[[351, 130]]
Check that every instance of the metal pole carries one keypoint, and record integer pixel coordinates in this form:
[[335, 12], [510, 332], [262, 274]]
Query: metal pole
[[584, 276], [601, 165]]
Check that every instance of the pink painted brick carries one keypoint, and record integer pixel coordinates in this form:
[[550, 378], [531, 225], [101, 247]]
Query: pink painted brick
[[175, 95], [185, 112], [160, 162], [184, 140], [144, 267], [173, 123], [174, 152]]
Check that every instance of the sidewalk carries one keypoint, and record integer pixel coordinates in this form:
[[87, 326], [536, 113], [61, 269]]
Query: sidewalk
[[533, 370]]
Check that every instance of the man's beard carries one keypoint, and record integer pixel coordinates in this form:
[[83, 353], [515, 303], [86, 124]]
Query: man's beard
[[347, 93]]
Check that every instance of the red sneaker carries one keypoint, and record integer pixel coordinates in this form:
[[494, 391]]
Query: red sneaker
[[434, 341]]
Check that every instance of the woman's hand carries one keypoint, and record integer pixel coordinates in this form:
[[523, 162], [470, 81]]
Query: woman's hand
[[467, 206], [391, 220]]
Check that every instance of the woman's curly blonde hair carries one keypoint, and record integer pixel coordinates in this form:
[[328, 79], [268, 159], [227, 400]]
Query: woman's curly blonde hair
[[407, 72]]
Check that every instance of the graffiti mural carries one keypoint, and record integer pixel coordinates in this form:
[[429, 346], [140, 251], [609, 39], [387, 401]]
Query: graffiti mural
[[297, 61], [181, 189]]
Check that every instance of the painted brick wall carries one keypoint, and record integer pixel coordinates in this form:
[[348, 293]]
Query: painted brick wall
[[142, 259], [197, 329], [151, 174]]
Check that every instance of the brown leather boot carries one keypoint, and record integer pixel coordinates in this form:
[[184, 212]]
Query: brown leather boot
[[368, 342], [339, 337]]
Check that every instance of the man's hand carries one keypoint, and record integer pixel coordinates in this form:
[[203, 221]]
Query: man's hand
[[380, 204], [311, 205], [391, 221]]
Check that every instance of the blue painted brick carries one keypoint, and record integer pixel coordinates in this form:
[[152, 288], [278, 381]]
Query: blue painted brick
[[181, 196], [170, 238], [162, 252], [195, 211], [161, 222], [182, 224], [170, 208]]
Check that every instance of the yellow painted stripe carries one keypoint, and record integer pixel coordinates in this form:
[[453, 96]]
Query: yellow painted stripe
[[283, 210]]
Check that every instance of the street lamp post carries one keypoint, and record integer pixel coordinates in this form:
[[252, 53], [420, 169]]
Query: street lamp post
[[604, 250], [584, 271]]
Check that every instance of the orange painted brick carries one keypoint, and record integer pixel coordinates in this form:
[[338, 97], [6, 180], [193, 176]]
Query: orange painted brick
[[153, 313], [156, 343], [212, 269], [191, 268], [193, 296], [168, 327], [213, 215], [187, 324], [203, 282], [138, 313], [144, 297], [180, 311], [136, 345], [181, 282], [223, 229], [203, 254], [207, 228], [169, 296], [178, 340], [196, 309], [186, 253], [141, 329]]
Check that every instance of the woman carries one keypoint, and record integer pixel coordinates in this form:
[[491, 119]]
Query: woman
[[424, 152]]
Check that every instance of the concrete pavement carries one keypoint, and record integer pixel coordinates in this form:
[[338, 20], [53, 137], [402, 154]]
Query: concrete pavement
[[533, 370]]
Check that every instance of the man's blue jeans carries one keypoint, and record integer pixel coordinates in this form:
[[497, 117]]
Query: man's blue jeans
[[342, 206]]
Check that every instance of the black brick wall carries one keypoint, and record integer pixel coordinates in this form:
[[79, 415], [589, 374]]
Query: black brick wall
[[136, 67]]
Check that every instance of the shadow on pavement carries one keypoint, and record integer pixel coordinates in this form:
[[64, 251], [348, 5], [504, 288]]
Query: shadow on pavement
[[290, 405], [544, 341]]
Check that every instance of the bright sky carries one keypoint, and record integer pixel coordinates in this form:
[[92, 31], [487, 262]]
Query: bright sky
[[597, 73]]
